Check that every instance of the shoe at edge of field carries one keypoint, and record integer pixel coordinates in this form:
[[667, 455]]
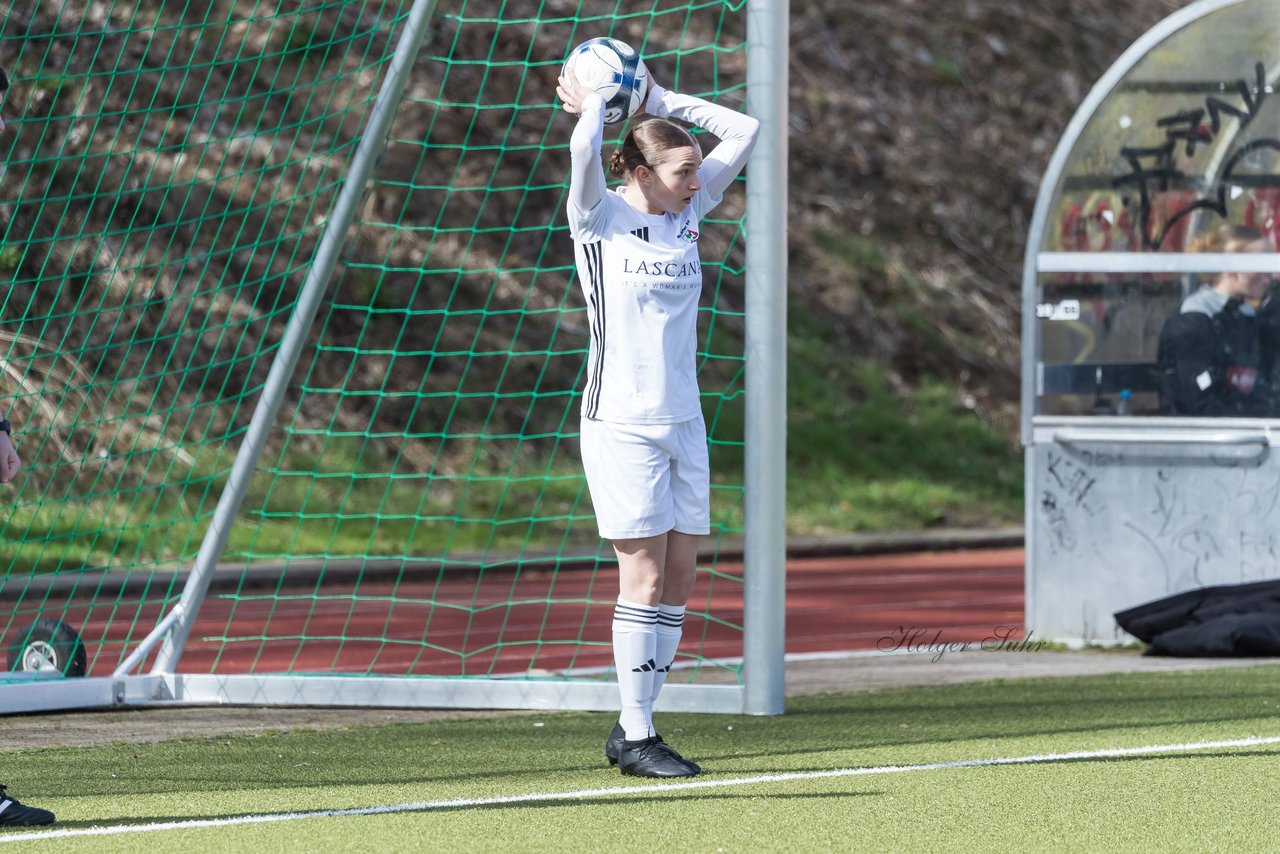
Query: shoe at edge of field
[[613, 747], [15, 814], [651, 757]]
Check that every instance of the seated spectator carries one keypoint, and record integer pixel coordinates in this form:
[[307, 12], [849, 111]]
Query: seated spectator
[[1269, 332], [1211, 352]]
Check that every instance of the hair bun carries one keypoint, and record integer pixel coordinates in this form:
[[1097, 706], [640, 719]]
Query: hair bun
[[617, 164]]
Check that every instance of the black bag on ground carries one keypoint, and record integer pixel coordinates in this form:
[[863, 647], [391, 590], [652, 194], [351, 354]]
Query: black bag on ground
[[1236, 620]]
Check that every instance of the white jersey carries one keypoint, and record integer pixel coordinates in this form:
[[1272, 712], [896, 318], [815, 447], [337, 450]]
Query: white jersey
[[641, 273], [642, 278]]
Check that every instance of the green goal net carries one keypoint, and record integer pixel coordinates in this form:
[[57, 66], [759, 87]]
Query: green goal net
[[419, 509]]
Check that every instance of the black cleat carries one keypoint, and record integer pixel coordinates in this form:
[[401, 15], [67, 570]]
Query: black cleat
[[650, 757], [613, 744], [613, 747], [14, 814], [697, 769]]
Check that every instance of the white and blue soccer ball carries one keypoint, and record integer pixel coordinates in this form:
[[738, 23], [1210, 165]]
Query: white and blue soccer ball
[[615, 70]]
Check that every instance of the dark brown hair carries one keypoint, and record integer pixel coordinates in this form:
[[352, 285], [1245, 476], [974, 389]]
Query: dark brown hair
[[648, 144]]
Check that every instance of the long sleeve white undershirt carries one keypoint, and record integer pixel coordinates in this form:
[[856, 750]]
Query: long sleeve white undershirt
[[737, 133]]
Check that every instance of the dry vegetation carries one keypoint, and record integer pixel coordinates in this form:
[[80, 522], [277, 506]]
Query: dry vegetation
[[912, 186], [138, 198]]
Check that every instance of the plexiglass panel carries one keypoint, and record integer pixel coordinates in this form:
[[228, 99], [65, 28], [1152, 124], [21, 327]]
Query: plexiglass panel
[[1185, 144]]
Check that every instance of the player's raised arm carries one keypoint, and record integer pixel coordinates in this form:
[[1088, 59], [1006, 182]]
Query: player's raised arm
[[586, 178], [737, 133]]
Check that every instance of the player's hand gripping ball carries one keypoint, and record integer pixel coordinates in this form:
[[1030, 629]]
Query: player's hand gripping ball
[[616, 71]]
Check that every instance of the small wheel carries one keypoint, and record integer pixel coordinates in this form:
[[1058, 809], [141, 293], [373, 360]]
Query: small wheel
[[47, 644]]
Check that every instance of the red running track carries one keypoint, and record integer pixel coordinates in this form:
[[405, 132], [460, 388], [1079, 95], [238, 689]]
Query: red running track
[[512, 623]]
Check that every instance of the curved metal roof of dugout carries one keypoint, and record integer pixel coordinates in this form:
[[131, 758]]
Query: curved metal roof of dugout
[[1181, 135]]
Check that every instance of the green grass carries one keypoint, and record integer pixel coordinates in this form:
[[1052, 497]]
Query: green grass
[[881, 463], [1201, 800], [864, 458], [337, 503], [860, 457]]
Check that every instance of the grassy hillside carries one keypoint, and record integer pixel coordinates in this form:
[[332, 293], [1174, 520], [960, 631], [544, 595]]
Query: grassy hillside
[[919, 132], [911, 191]]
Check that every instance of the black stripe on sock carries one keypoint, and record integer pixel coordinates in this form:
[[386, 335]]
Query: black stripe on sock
[[645, 615]]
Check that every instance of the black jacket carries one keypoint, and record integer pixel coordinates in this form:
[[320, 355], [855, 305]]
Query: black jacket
[[1210, 359], [1229, 620]]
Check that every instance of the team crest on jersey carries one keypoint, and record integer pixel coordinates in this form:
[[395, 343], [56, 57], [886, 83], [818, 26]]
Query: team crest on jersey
[[687, 233]]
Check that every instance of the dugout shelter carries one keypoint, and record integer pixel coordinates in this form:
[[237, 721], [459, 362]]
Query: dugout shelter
[[1126, 500]]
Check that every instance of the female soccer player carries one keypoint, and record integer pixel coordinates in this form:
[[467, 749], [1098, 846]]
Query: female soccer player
[[644, 442]]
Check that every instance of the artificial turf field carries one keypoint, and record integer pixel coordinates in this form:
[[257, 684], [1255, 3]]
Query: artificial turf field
[[848, 772]]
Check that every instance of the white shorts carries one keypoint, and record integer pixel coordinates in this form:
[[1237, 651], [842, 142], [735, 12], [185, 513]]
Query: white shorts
[[648, 479]]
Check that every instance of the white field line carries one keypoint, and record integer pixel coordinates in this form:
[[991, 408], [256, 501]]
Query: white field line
[[583, 794]]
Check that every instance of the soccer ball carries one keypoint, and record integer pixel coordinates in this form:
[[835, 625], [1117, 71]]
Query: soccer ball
[[616, 71]]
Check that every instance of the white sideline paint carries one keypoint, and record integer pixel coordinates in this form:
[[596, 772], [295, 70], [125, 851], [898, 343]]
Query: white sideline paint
[[581, 794]]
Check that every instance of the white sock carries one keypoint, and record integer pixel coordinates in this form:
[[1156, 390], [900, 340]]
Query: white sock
[[635, 644], [669, 629]]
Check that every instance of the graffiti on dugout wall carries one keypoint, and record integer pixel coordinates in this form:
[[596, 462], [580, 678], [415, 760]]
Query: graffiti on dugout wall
[[1165, 203], [1150, 206], [1069, 501], [1110, 518]]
